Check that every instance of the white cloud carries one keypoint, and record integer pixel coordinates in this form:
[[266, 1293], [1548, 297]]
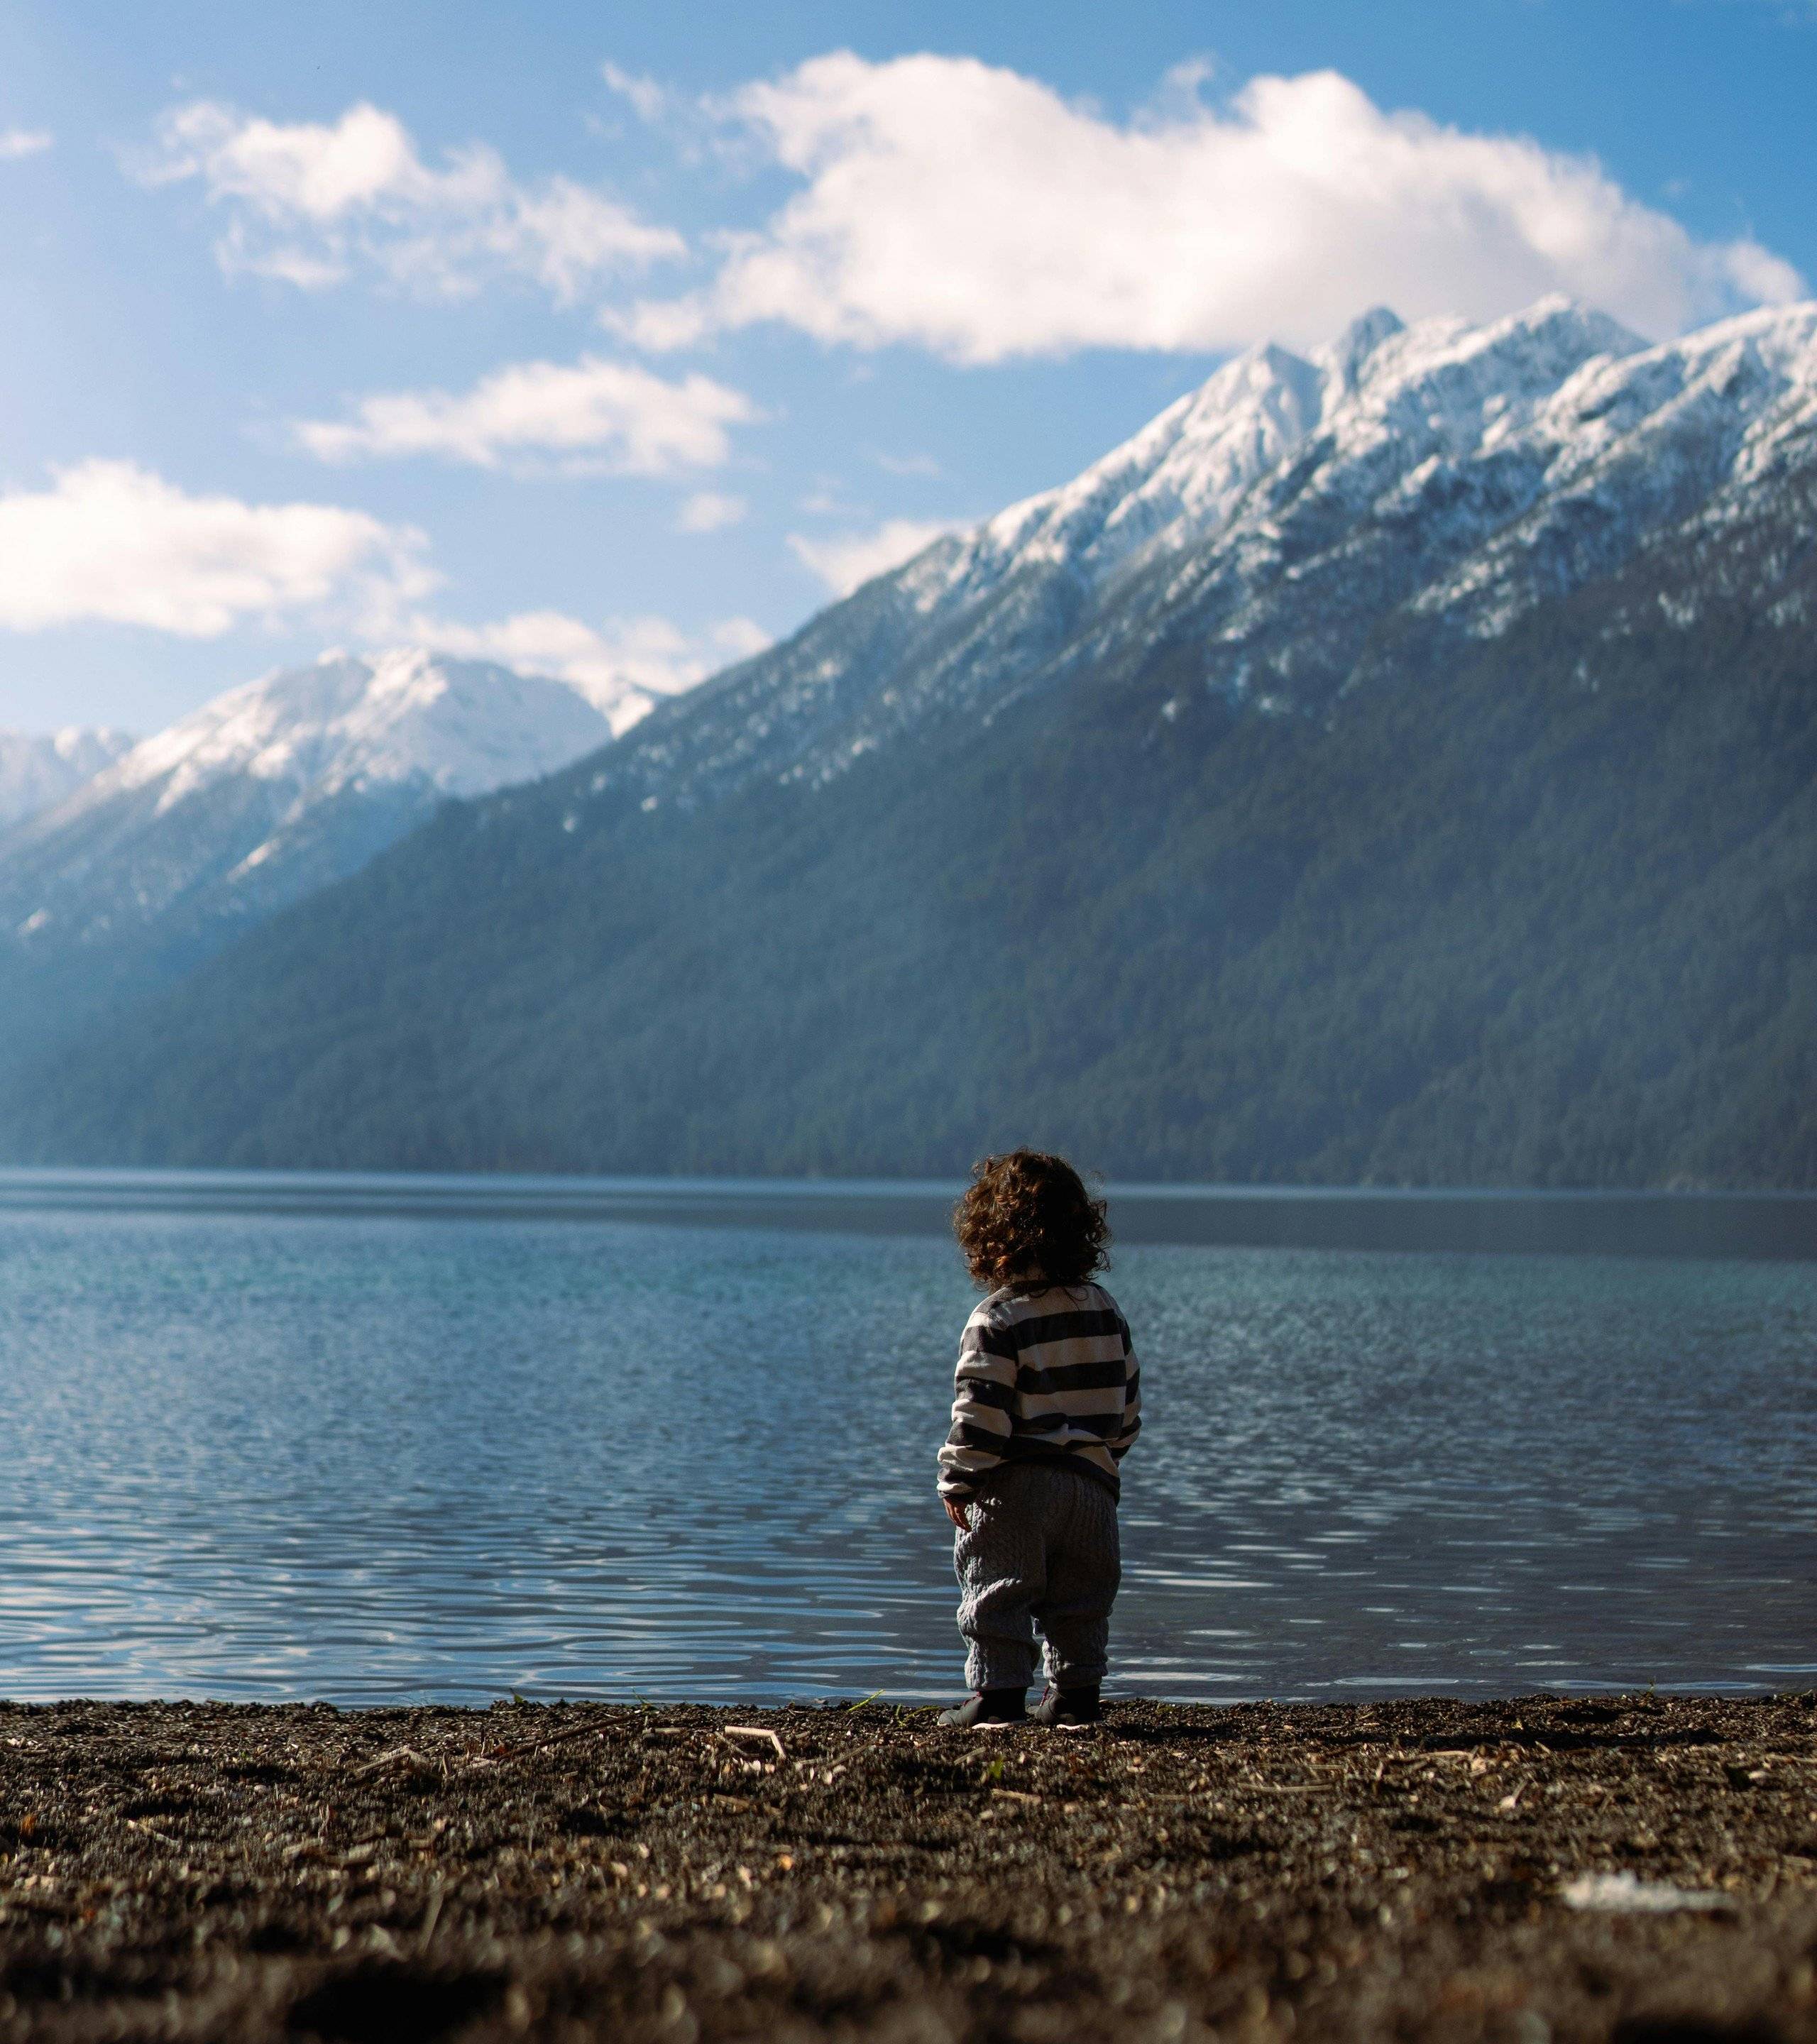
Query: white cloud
[[618, 416], [308, 203], [622, 667], [846, 562], [973, 211], [707, 511], [909, 464], [648, 100], [17, 142], [110, 541]]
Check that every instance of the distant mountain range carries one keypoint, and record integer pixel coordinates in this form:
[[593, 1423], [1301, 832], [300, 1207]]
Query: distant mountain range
[[166, 849], [1396, 764], [37, 771]]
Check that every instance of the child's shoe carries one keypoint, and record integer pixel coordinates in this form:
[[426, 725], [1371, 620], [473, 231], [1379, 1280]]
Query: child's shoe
[[986, 1707], [1066, 1710]]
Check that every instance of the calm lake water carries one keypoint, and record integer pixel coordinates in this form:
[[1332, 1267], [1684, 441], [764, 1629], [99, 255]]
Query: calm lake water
[[374, 1456]]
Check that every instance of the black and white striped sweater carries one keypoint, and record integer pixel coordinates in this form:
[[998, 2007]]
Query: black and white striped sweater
[[1047, 1376]]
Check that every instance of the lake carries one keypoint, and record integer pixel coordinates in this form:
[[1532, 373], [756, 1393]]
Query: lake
[[372, 1439]]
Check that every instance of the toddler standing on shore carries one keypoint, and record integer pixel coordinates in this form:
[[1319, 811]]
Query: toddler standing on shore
[[1046, 1401]]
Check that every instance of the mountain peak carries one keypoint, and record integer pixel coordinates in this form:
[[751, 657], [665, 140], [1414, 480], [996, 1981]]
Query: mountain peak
[[1346, 356], [1559, 316], [463, 727], [274, 788], [1178, 478]]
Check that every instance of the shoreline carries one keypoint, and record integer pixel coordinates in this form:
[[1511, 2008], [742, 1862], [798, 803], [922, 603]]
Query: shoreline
[[686, 1873], [1742, 1223]]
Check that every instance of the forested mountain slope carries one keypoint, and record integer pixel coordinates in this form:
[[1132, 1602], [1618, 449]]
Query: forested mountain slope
[[1394, 766]]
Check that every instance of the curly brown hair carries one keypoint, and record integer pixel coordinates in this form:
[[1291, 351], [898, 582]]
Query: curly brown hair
[[1027, 1215]]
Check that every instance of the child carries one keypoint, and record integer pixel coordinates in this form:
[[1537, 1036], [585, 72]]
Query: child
[[1048, 1401]]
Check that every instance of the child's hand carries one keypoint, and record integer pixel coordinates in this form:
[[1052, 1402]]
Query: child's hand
[[956, 1512]]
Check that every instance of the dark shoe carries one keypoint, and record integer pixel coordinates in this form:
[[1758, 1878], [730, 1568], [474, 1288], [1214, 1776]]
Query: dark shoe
[[986, 1707], [1066, 1710]]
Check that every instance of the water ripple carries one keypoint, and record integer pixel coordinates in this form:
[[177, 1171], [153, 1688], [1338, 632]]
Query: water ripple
[[263, 1456]]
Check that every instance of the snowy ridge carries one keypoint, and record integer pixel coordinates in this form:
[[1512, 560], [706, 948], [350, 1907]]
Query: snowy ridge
[[1261, 531], [461, 726], [1258, 530], [38, 770], [275, 788], [1686, 430], [1178, 480], [1380, 391]]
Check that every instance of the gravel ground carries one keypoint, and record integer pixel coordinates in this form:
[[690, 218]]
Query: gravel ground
[[1404, 1870]]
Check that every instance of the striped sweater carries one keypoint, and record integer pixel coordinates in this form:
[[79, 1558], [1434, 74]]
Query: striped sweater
[[1047, 1376]]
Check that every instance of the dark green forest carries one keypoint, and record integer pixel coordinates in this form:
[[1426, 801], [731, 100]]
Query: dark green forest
[[1536, 910]]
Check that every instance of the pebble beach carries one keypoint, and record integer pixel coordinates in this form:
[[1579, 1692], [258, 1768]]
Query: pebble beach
[[1641, 1869]]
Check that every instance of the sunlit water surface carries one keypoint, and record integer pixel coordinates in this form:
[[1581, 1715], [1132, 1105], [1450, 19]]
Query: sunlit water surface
[[265, 1456]]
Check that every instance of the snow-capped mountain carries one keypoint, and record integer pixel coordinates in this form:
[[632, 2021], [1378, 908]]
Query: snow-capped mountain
[[1393, 764], [38, 770], [1256, 537], [460, 726], [271, 790]]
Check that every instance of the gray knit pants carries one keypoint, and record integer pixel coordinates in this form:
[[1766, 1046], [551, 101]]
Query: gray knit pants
[[1042, 1550]]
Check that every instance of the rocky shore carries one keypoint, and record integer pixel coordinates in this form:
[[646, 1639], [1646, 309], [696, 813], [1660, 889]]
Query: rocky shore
[[1640, 1869]]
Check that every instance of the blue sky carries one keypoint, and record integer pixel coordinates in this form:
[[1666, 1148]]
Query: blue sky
[[611, 341]]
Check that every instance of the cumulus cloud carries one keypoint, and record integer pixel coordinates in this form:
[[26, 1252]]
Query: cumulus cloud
[[707, 511], [616, 415], [969, 210], [310, 203], [848, 560], [17, 142], [110, 541], [623, 667]]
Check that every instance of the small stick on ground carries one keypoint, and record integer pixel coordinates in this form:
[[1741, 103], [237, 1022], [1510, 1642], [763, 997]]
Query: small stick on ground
[[431, 1916], [757, 1731], [391, 1758]]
